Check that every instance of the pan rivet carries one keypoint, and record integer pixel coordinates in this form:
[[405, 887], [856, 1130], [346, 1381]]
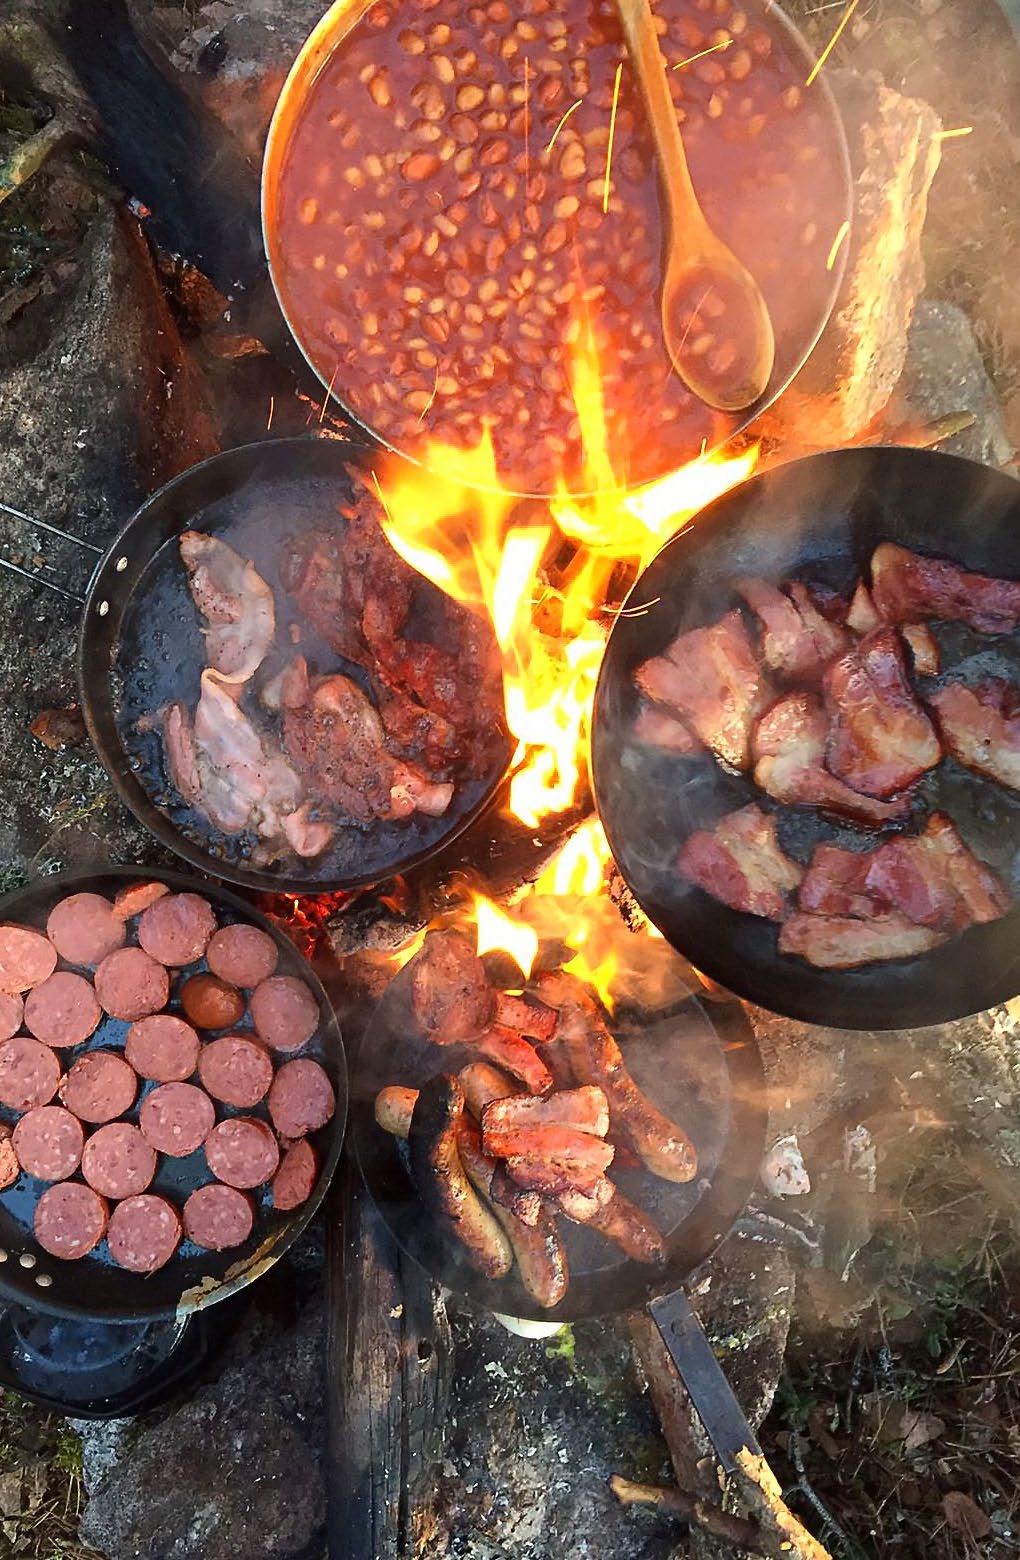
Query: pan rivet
[[104, 607], [122, 564], [27, 1260], [43, 1280]]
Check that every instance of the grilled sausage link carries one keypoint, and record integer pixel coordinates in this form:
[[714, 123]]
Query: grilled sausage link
[[620, 1221], [443, 1183], [538, 1248]]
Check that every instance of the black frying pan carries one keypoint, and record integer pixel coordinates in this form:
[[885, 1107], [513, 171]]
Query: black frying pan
[[701, 1066], [141, 647], [95, 1286], [817, 520]]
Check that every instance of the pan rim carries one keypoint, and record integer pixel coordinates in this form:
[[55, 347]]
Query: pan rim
[[184, 882], [131, 792]]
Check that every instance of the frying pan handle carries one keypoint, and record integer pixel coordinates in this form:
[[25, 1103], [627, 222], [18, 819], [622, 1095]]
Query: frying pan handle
[[717, 1408]]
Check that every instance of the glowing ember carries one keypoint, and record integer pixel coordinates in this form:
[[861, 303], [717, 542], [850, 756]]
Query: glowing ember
[[499, 931]]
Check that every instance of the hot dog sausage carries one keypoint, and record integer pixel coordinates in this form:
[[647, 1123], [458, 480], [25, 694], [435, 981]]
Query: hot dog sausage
[[236, 1069], [26, 958], [284, 1012], [62, 1010], [99, 1087], [295, 1180], [70, 1220], [144, 1233], [443, 1182], [242, 1152], [537, 1247], [176, 1118], [48, 1142], [176, 929], [84, 929], [130, 985], [163, 1048], [29, 1073], [117, 1161], [218, 1217], [301, 1098], [242, 955]]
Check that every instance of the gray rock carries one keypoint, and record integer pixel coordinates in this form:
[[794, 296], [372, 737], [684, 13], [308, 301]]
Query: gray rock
[[944, 373]]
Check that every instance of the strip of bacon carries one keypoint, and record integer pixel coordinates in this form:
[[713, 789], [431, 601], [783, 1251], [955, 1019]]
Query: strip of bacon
[[789, 750], [862, 616], [835, 942], [740, 863], [711, 679], [537, 1023], [908, 585], [935, 880], [835, 883], [516, 1056], [881, 740], [551, 1178], [924, 648], [981, 727], [797, 641], [583, 1109], [575, 1151], [657, 728]]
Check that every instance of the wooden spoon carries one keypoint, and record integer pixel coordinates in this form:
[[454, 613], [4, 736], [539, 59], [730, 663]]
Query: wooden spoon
[[715, 322]]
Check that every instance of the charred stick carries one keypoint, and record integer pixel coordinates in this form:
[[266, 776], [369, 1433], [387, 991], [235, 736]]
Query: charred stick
[[738, 1531]]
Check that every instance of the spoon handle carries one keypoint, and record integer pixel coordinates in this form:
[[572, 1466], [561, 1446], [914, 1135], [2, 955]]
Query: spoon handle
[[647, 59]]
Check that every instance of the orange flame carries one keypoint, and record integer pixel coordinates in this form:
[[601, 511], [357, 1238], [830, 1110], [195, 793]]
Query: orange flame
[[497, 930]]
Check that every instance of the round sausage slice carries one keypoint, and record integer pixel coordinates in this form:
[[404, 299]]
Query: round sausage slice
[[29, 1073], [99, 1087], [217, 1217], [48, 1142], [62, 1010], [144, 1233], [176, 929], [295, 1180], [301, 1098], [70, 1220], [284, 1012], [137, 897], [117, 1161], [242, 1152], [84, 929], [163, 1048], [10, 1169], [131, 985], [242, 955], [177, 1118], [26, 958], [210, 1003], [236, 1069], [12, 1011]]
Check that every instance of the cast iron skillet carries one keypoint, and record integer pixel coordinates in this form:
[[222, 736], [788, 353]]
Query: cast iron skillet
[[817, 519], [95, 1286], [700, 1065], [141, 647]]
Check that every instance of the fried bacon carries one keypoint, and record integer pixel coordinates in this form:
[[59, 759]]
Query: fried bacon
[[740, 863], [620, 1221], [516, 1056], [789, 751], [835, 883], [656, 728], [862, 615], [443, 1183], [235, 601], [537, 1023], [908, 586], [550, 1177], [924, 648], [577, 1153], [711, 680], [450, 990], [835, 942], [880, 740], [935, 880], [584, 1110], [797, 641], [981, 727]]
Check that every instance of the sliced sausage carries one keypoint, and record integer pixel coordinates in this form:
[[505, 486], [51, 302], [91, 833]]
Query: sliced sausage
[[301, 1099], [99, 1087], [295, 1180], [177, 1118], [117, 1161], [131, 985], [210, 1003], [12, 1011], [137, 897], [176, 929], [29, 1073], [63, 1009], [242, 955], [10, 1169], [84, 929], [242, 1152], [144, 1233], [218, 1217], [48, 1142], [236, 1069], [284, 1012], [70, 1220], [26, 958], [163, 1048]]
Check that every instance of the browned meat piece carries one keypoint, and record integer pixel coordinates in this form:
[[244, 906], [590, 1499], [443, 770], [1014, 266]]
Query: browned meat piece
[[862, 616], [907, 586], [797, 642], [527, 1206], [550, 1177], [656, 728], [235, 601], [981, 727], [535, 1239], [517, 1056], [663, 1147], [924, 648], [620, 1221], [538, 1023], [880, 740], [584, 1109], [789, 750], [712, 681], [834, 942], [336, 741], [442, 1181], [835, 884], [450, 991], [934, 880], [740, 863], [574, 1151]]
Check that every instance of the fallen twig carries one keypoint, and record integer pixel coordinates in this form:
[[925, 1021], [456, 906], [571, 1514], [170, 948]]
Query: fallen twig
[[761, 1490], [738, 1531], [29, 157]]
